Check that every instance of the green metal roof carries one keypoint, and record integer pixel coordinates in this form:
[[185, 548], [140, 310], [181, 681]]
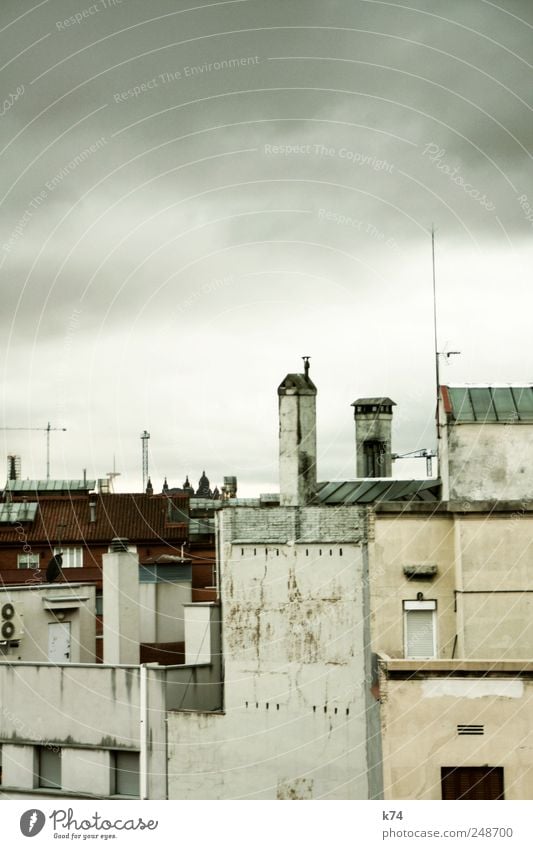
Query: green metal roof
[[506, 404], [17, 511], [50, 485], [368, 490]]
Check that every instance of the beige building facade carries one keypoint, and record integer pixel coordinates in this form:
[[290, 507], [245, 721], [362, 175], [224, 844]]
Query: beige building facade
[[457, 729]]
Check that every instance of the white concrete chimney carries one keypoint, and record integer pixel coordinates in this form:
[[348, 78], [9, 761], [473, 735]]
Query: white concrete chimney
[[120, 567], [297, 439], [202, 632]]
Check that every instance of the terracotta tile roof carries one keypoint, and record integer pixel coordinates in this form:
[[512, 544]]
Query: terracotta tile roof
[[138, 517]]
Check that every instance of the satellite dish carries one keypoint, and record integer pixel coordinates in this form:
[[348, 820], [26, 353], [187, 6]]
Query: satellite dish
[[53, 570]]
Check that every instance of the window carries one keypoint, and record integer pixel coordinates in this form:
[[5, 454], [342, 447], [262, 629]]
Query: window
[[99, 603], [0, 764], [420, 627], [49, 767], [72, 557], [28, 561], [472, 782], [126, 773]]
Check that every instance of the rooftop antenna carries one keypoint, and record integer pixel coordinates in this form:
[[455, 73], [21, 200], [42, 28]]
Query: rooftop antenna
[[435, 342], [438, 353], [145, 436], [114, 474], [306, 365]]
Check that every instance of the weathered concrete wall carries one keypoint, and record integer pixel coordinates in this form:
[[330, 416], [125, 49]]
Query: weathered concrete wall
[[31, 601], [488, 461], [89, 705], [85, 711], [419, 728], [407, 540], [295, 667]]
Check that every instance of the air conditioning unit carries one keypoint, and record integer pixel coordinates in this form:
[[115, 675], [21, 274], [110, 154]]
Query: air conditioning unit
[[11, 622]]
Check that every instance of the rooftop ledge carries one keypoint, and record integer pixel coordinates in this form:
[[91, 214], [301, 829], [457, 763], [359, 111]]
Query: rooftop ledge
[[456, 667]]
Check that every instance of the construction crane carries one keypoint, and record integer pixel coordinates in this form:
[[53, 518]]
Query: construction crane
[[47, 430], [423, 452], [145, 436]]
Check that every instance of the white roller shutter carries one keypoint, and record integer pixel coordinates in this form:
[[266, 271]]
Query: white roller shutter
[[420, 633]]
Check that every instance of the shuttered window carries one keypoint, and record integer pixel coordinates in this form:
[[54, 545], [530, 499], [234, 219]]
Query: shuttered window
[[472, 782], [49, 766], [126, 767], [420, 637]]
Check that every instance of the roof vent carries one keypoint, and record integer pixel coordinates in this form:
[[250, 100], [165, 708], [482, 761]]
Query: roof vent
[[119, 544], [475, 730]]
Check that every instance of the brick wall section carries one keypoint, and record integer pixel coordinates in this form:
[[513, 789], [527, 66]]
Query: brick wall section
[[301, 524]]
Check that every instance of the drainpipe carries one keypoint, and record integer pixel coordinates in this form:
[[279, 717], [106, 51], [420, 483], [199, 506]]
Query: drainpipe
[[143, 760]]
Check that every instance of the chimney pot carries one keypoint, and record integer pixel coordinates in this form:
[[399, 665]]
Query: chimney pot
[[119, 544]]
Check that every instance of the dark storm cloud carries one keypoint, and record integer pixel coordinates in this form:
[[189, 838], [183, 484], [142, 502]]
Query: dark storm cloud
[[195, 196]]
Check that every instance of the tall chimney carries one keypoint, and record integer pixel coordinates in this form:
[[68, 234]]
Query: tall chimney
[[373, 428], [297, 439], [120, 569]]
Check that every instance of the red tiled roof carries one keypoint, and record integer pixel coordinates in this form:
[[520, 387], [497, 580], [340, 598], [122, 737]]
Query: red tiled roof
[[138, 517]]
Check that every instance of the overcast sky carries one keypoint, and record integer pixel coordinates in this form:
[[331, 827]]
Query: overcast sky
[[193, 196]]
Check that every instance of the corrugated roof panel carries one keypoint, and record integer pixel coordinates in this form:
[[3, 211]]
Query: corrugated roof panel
[[368, 491], [524, 401], [482, 403], [461, 404], [504, 404], [17, 511]]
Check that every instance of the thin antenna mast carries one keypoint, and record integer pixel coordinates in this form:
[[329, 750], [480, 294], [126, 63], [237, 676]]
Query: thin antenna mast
[[145, 436], [437, 376]]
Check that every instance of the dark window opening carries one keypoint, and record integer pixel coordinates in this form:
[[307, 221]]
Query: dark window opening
[[374, 454], [472, 782]]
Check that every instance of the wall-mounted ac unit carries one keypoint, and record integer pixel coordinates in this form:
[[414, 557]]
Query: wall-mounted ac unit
[[11, 622]]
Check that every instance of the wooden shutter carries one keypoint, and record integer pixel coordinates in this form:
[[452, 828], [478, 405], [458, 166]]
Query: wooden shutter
[[472, 782]]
